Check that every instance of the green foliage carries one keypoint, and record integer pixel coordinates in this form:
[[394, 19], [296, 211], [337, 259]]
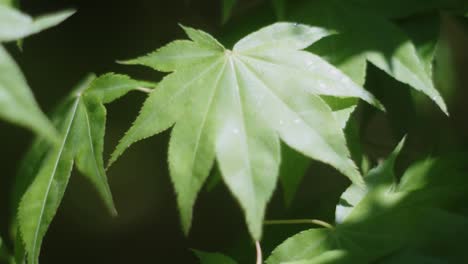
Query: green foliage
[[258, 113], [385, 216], [381, 42], [239, 109], [81, 121]]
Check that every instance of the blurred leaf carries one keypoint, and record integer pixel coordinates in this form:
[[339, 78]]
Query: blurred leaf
[[81, 123], [17, 103], [239, 107], [7, 2], [424, 33], [385, 218], [213, 258], [362, 33], [426, 174], [227, 6], [380, 176], [294, 165], [15, 25]]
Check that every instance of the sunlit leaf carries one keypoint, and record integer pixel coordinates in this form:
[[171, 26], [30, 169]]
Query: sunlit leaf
[[381, 176], [235, 106]]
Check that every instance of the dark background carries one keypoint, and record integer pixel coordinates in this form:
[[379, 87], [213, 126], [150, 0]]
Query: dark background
[[147, 229]]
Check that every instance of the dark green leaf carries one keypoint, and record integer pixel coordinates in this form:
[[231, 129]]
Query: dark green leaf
[[213, 258], [380, 41]]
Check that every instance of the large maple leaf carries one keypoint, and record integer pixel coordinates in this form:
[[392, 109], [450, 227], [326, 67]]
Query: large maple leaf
[[235, 105]]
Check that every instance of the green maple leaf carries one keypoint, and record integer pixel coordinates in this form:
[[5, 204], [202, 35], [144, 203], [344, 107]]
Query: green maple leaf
[[81, 121], [379, 41], [17, 103], [234, 105], [385, 216]]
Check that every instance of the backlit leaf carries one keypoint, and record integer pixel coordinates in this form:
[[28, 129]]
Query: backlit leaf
[[235, 105]]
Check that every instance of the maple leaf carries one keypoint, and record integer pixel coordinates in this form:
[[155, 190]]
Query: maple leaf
[[46, 170], [362, 33], [235, 105]]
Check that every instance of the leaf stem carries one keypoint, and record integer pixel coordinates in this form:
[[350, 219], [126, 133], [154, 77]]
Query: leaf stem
[[299, 221], [144, 89], [258, 248]]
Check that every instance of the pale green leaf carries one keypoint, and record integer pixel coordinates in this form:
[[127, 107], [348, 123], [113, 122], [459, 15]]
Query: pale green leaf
[[81, 120], [233, 106], [15, 25], [17, 103], [213, 258], [293, 164]]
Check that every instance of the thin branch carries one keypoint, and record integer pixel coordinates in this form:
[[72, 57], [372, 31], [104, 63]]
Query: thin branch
[[299, 221], [258, 248], [144, 89]]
